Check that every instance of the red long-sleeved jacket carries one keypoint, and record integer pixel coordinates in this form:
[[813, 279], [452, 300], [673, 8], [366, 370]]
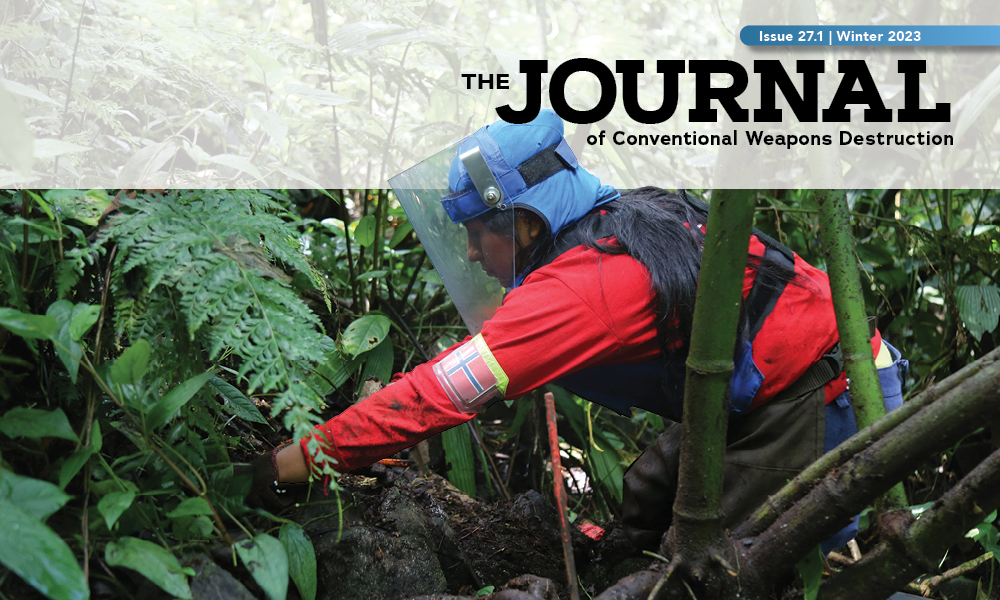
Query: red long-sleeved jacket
[[584, 309]]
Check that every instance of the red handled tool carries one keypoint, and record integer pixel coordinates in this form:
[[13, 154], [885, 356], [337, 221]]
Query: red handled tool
[[560, 490]]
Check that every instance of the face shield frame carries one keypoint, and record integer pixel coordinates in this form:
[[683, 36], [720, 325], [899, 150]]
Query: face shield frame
[[439, 213], [425, 195]]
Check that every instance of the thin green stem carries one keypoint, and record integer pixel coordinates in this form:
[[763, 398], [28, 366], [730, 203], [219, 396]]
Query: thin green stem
[[199, 491]]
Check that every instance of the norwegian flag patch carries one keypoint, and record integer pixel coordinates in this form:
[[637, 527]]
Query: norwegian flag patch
[[471, 376]]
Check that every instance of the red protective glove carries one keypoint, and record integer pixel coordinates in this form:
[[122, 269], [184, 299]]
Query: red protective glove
[[404, 413]]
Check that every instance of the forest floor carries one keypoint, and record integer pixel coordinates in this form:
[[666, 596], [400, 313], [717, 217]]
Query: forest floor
[[399, 535]]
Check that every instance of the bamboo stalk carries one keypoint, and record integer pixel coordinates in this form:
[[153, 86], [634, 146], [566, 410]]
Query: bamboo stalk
[[697, 523], [849, 307], [852, 320]]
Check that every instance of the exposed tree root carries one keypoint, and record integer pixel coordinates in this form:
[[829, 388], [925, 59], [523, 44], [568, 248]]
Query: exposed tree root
[[636, 586]]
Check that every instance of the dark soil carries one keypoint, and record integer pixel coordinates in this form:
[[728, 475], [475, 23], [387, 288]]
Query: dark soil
[[404, 536]]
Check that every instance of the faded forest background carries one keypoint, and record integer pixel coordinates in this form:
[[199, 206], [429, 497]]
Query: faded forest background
[[151, 339]]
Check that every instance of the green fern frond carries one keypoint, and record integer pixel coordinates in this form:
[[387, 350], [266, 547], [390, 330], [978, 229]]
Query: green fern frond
[[211, 268], [320, 282], [70, 269]]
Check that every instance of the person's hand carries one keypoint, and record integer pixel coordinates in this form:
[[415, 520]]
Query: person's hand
[[265, 491]]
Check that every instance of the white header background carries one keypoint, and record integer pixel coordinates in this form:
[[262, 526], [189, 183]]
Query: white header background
[[344, 94]]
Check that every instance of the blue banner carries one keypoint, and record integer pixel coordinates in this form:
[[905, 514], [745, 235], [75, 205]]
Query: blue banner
[[870, 35]]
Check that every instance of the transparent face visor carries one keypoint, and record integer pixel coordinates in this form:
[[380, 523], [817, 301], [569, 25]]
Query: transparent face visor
[[474, 260]]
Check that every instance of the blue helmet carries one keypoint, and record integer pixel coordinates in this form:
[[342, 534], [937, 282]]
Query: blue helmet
[[526, 166]]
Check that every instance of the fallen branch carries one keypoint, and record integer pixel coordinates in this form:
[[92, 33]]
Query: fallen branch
[[916, 546], [845, 491], [924, 588], [795, 490]]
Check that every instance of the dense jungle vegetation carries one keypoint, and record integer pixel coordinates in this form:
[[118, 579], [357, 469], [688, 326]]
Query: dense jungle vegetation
[[151, 340]]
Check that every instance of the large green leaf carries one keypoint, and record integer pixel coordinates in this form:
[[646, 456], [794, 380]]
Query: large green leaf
[[267, 561], [191, 506], [364, 334], [96, 437], [979, 306], [604, 460], [36, 497], [175, 399], [29, 92], [36, 423], [875, 253], [84, 206], [331, 373], [979, 99], [271, 122], [402, 230], [51, 148], [69, 350], [267, 63], [987, 535], [301, 559], [145, 161], [458, 453], [113, 505], [153, 561], [364, 231], [239, 163], [236, 402], [39, 556], [42, 204], [73, 465], [318, 96], [131, 365], [28, 325], [369, 275], [378, 362], [83, 318]]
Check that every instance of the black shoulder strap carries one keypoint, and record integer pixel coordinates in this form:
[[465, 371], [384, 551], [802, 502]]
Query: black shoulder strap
[[766, 286], [770, 242]]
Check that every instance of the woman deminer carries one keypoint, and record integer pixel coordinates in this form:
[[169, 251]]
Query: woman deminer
[[598, 295]]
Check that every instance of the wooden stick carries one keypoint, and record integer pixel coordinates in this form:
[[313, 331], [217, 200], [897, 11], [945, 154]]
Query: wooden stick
[[560, 492]]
